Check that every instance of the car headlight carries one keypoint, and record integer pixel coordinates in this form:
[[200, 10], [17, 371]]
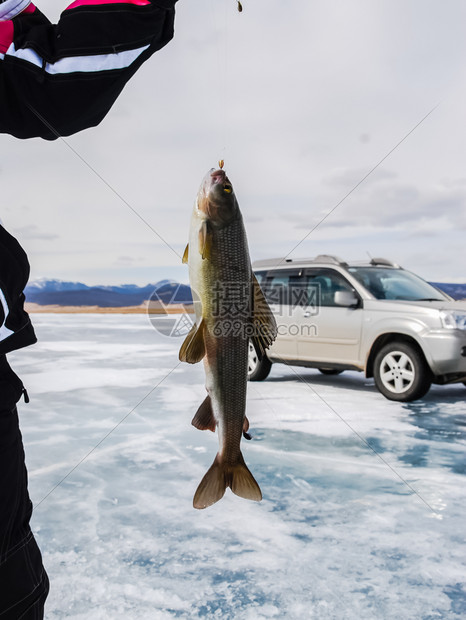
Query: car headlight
[[453, 319]]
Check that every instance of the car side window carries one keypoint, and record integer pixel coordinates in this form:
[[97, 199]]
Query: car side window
[[326, 282], [260, 277], [282, 287]]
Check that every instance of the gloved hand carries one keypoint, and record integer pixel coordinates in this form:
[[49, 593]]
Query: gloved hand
[[164, 4]]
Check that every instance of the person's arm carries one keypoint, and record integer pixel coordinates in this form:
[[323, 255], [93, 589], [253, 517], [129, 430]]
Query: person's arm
[[56, 80]]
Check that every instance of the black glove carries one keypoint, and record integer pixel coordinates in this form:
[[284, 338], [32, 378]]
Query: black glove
[[164, 4]]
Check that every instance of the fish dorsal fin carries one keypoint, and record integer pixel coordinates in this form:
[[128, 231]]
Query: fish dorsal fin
[[264, 324], [204, 419], [193, 348], [205, 241], [184, 260]]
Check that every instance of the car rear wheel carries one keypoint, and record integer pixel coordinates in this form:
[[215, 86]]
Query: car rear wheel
[[330, 371], [258, 370], [401, 372]]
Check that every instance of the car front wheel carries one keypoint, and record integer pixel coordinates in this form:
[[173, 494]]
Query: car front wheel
[[401, 372], [258, 370]]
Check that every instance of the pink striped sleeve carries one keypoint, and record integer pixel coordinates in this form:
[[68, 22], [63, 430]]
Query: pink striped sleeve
[[7, 30], [79, 3], [6, 36]]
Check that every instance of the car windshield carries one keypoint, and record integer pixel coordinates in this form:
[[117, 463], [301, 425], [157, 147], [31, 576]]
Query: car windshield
[[388, 283]]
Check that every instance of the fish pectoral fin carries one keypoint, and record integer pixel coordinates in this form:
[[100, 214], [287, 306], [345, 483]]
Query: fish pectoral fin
[[219, 477], [204, 419], [205, 241], [184, 260], [264, 325], [193, 348]]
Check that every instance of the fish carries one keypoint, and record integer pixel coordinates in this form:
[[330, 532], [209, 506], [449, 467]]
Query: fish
[[230, 310]]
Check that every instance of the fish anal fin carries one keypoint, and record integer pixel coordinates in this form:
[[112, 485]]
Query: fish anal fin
[[184, 260], [204, 419], [205, 241], [193, 348], [220, 476]]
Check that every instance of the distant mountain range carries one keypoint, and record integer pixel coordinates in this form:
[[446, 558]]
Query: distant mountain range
[[55, 292], [457, 291]]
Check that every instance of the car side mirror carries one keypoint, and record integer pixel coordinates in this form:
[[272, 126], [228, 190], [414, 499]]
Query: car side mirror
[[347, 299]]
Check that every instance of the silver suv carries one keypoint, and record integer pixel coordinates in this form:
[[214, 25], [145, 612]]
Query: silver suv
[[374, 317]]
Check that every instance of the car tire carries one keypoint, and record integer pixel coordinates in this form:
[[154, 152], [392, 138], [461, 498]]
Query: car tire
[[258, 370], [401, 372], [330, 371]]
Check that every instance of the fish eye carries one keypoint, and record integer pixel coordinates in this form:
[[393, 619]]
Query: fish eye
[[228, 189]]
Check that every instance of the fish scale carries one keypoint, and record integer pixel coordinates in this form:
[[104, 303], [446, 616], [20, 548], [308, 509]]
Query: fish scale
[[226, 356]]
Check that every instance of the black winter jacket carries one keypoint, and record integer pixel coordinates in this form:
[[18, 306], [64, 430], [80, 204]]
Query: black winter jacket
[[56, 80], [16, 330]]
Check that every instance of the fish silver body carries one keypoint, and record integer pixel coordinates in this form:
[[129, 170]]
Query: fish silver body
[[230, 309]]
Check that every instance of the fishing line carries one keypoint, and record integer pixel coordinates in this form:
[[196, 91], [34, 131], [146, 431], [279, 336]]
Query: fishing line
[[353, 430], [373, 169], [221, 81], [226, 77], [360, 182], [99, 176], [364, 441], [105, 437]]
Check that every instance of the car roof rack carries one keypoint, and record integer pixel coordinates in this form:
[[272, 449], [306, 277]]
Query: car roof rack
[[271, 262], [284, 261], [384, 262], [329, 258]]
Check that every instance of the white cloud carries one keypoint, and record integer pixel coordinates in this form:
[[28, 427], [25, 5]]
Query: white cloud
[[301, 101], [31, 231]]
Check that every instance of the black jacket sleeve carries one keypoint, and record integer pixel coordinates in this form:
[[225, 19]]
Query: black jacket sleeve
[[56, 80], [16, 330]]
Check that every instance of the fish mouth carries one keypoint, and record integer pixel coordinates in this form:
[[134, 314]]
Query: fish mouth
[[218, 177], [216, 198]]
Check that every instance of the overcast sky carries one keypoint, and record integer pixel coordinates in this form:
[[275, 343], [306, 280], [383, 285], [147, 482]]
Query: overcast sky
[[301, 99]]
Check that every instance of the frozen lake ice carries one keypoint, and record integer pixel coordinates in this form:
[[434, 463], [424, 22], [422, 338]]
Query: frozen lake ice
[[342, 532]]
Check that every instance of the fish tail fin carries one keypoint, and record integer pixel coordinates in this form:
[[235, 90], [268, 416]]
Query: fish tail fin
[[243, 483], [212, 487], [219, 477]]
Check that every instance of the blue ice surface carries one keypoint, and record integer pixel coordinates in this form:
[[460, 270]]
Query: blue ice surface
[[363, 509]]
